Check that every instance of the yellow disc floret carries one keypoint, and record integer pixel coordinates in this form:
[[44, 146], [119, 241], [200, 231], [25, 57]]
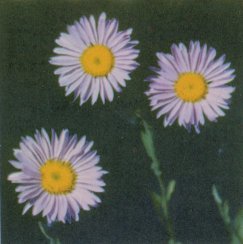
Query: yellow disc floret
[[57, 177], [97, 60], [191, 87]]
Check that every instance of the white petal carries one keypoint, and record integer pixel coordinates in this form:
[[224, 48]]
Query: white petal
[[85, 24], [181, 65], [208, 111], [66, 52], [16, 164], [199, 113], [64, 60], [62, 208], [210, 56], [26, 208], [49, 205], [111, 29], [74, 32], [214, 65], [108, 90], [102, 91], [66, 80], [167, 108], [202, 59], [96, 90], [39, 204], [74, 206], [114, 83], [66, 42], [101, 27], [194, 56], [66, 69]]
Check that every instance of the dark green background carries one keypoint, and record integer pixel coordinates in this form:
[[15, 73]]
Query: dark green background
[[31, 99]]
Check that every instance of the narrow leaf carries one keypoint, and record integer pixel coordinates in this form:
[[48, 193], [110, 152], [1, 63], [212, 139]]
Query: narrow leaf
[[147, 139], [157, 200], [225, 210], [216, 195], [238, 226], [170, 189]]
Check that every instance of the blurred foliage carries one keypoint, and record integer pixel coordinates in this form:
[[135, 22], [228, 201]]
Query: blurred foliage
[[238, 225]]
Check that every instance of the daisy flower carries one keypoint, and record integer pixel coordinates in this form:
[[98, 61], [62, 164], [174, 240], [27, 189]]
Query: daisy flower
[[189, 85], [95, 59], [57, 176]]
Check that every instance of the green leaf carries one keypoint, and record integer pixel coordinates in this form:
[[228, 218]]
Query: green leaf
[[170, 189], [173, 242], [238, 227], [147, 139], [216, 195], [225, 212], [222, 206], [51, 240], [55, 241], [157, 201], [58, 241]]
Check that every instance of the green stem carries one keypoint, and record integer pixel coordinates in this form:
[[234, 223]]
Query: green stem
[[232, 231], [224, 213], [147, 139], [237, 235], [50, 239], [165, 208], [43, 231]]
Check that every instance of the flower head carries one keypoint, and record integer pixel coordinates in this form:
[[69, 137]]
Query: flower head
[[57, 176], [190, 84], [95, 59]]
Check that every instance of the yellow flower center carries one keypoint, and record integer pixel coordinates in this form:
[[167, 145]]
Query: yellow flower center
[[97, 60], [57, 177], [191, 87]]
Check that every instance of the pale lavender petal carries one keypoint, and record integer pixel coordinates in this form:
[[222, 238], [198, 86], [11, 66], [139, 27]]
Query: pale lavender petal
[[101, 27]]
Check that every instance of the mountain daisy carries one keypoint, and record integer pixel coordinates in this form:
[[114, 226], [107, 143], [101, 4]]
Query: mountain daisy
[[95, 59], [190, 84], [57, 176]]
